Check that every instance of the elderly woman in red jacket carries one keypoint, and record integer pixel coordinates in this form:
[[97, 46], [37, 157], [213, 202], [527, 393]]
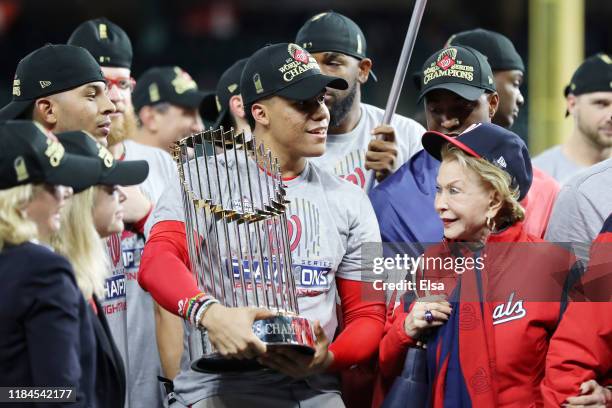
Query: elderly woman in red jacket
[[488, 325]]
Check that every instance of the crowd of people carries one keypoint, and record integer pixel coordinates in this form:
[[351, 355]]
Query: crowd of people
[[100, 294]]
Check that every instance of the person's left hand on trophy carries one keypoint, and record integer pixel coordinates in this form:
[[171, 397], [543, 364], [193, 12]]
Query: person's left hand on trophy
[[591, 395], [298, 365]]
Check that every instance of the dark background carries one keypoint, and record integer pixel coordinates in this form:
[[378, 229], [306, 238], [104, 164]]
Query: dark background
[[205, 37]]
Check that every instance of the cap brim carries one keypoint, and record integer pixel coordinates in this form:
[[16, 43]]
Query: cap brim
[[126, 173], [76, 171], [469, 92], [311, 86], [14, 109], [434, 141]]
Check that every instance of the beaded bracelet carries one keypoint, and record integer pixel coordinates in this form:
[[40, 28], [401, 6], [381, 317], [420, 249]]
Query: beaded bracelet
[[202, 309]]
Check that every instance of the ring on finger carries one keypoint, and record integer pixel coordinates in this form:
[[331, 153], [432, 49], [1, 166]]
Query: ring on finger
[[428, 316]]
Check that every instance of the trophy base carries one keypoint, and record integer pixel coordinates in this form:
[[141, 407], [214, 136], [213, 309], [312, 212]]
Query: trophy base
[[278, 332]]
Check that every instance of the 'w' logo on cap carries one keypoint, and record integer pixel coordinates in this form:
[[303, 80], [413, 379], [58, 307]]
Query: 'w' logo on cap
[[44, 84], [501, 162]]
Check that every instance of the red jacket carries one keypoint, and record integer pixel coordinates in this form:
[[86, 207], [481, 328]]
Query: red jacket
[[581, 348], [523, 278]]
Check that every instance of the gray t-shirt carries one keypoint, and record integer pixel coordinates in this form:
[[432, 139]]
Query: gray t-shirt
[[556, 164], [143, 363], [582, 205], [328, 220], [114, 304], [345, 153]]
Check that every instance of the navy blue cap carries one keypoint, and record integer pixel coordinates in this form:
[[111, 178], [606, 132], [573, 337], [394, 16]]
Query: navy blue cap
[[495, 144]]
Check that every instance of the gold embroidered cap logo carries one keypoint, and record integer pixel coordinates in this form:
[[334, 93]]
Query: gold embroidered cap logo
[[44, 84], [183, 81], [102, 31], [257, 82], [16, 87], [105, 155], [21, 169], [153, 92], [55, 152]]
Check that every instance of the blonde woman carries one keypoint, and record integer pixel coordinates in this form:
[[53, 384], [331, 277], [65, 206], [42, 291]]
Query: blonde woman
[[487, 329], [92, 215], [46, 338]]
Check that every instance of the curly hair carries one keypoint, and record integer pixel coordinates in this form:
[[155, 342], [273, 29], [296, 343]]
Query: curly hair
[[497, 179]]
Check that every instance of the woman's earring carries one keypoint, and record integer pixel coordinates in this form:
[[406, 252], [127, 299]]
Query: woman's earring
[[490, 224]]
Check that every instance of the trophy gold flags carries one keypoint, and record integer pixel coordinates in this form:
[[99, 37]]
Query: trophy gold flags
[[238, 242]]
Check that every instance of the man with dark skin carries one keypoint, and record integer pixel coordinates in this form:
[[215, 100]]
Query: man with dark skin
[[359, 147], [508, 70], [404, 201]]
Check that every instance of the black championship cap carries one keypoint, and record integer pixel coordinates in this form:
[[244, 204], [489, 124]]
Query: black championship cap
[[493, 143], [31, 154], [215, 108], [49, 70], [286, 70], [166, 84], [106, 41], [461, 70], [593, 75], [113, 172], [333, 32], [498, 49]]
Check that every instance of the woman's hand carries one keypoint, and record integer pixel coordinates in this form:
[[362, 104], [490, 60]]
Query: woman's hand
[[230, 330], [591, 395], [297, 365], [417, 322]]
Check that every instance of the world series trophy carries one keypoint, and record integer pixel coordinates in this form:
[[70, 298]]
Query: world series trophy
[[238, 241]]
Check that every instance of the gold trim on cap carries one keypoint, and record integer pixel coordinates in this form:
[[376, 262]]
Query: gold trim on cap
[[102, 31], [20, 169], [154, 92]]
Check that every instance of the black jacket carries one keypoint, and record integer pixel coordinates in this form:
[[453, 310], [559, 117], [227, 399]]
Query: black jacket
[[110, 370], [46, 337]]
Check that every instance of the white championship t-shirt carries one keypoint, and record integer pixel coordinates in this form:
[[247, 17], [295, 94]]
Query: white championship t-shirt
[[345, 153]]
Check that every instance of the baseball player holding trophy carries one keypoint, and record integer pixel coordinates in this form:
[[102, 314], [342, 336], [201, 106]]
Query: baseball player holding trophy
[[261, 248]]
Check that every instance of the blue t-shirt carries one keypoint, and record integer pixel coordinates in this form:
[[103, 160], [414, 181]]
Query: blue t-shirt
[[404, 206]]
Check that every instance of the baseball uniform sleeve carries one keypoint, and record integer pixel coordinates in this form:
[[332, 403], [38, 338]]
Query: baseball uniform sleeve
[[363, 311]]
